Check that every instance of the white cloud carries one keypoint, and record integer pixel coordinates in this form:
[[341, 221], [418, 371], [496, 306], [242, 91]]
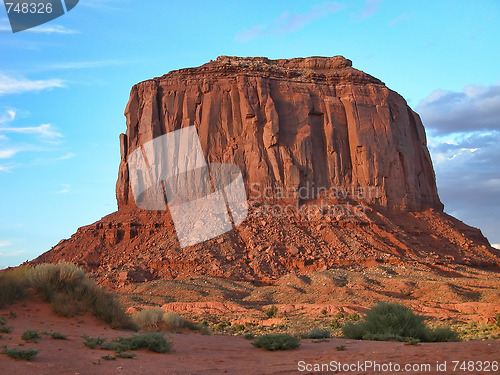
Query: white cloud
[[8, 153], [52, 29], [69, 155], [11, 114], [287, 22], [11, 253], [44, 130], [42, 29], [4, 168], [5, 243], [496, 245], [87, 64], [11, 85]]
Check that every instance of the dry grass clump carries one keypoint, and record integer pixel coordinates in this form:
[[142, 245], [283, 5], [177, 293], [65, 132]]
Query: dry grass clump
[[66, 288]]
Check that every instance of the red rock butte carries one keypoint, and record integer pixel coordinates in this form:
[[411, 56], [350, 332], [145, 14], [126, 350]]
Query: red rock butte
[[288, 124]]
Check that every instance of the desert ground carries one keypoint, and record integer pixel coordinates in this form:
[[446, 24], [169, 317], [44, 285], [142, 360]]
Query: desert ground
[[464, 300], [193, 353]]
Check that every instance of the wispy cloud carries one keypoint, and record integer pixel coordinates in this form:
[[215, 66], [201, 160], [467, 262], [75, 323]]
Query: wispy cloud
[[8, 153], [9, 116], [399, 19], [5, 243], [67, 156], [288, 22], [44, 130], [5, 168], [65, 189], [11, 85], [87, 64], [42, 29], [11, 253], [371, 7]]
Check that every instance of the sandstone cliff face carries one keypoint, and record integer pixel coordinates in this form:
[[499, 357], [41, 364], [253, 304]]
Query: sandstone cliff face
[[289, 124], [314, 122]]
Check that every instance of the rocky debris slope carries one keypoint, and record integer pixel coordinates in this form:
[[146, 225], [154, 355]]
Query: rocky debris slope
[[288, 125]]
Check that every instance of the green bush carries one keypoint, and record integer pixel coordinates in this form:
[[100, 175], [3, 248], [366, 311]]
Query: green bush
[[276, 342], [393, 322], [239, 327], [334, 324], [6, 329], [354, 317], [319, 334], [58, 336], [27, 354], [271, 311], [125, 355], [30, 335], [152, 341], [497, 319], [93, 342]]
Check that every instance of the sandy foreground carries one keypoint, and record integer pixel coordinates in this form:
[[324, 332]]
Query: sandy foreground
[[193, 353]]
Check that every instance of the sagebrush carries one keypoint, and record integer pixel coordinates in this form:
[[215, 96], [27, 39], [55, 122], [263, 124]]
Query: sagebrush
[[394, 322]]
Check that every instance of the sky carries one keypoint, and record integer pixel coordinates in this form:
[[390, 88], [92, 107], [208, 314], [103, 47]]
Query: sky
[[64, 86]]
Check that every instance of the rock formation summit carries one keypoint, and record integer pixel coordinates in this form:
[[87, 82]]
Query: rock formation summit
[[311, 124]]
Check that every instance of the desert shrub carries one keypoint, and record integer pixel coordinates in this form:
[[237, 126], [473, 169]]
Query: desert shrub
[[221, 326], [30, 335], [13, 286], [319, 334], [148, 317], [249, 336], [239, 327], [339, 316], [125, 355], [58, 336], [6, 329], [341, 348], [93, 342], [172, 321], [109, 357], [442, 334], [154, 317], [26, 354], [334, 324], [276, 342], [152, 341], [66, 288], [354, 317], [393, 322], [271, 311], [64, 305], [497, 319]]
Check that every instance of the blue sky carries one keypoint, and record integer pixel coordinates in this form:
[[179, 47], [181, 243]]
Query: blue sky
[[64, 86]]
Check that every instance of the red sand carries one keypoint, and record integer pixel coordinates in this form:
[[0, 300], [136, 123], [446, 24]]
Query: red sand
[[197, 354]]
